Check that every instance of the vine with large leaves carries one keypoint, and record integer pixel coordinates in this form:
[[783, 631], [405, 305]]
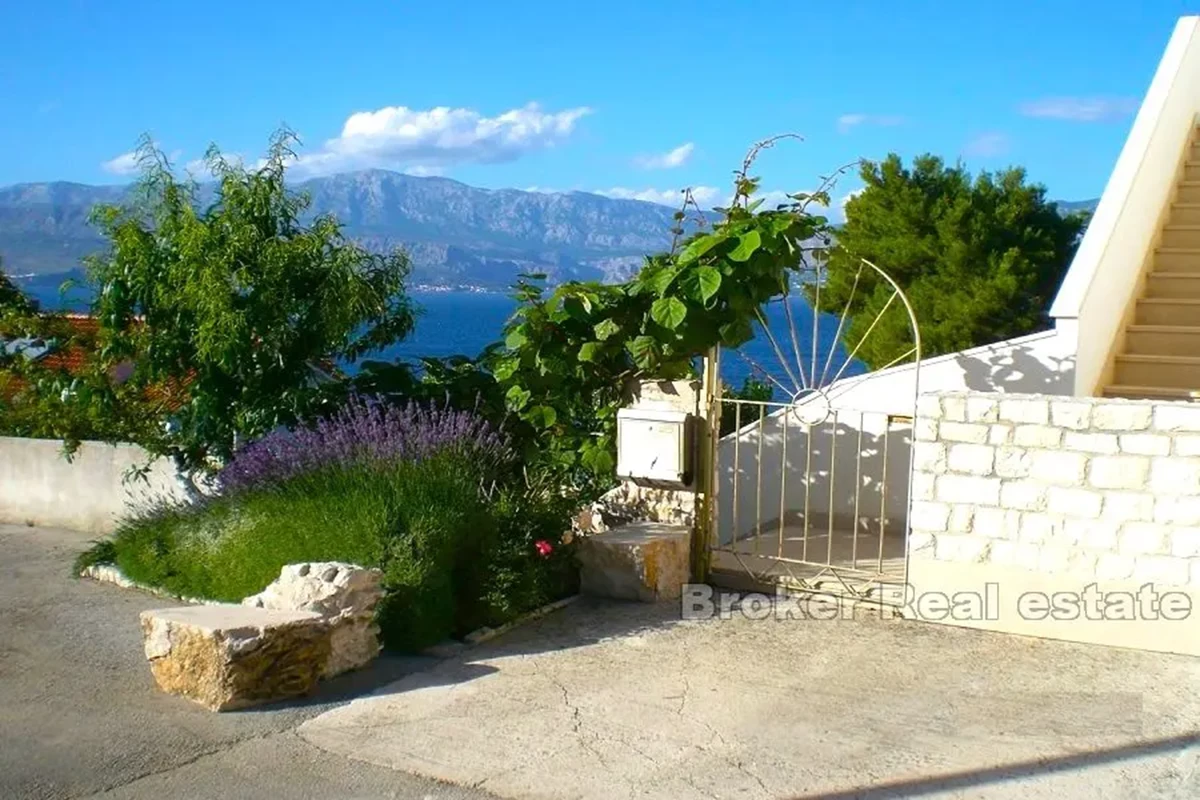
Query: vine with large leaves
[[569, 355]]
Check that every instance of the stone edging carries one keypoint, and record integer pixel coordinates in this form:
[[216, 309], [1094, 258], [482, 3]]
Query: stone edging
[[452, 648], [110, 573]]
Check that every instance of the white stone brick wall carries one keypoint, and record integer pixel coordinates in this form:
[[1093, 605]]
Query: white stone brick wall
[[1100, 488]]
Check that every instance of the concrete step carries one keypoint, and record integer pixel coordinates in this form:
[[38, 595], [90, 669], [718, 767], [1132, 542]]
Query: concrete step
[[1185, 313], [1189, 192], [1173, 285], [1162, 340], [1150, 393], [1177, 259], [1184, 214], [1167, 372], [1187, 236]]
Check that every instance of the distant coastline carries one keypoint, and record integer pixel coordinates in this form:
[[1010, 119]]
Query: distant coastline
[[434, 288]]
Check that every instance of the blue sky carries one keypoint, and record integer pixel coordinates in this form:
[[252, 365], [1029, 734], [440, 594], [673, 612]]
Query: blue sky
[[629, 97]]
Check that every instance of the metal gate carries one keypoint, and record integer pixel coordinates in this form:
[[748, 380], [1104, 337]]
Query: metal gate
[[811, 460]]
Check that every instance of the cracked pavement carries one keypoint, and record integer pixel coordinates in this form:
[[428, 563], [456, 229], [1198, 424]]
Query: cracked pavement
[[604, 700]]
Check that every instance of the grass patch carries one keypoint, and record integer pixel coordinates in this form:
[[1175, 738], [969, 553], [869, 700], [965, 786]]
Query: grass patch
[[454, 558]]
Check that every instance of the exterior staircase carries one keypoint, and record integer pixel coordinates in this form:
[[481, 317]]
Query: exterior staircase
[[1160, 355]]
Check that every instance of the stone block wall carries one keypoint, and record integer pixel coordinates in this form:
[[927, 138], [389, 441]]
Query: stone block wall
[[1090, 488]]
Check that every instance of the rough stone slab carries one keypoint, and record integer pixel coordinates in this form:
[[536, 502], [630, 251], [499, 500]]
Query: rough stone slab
[[345, 595], [645, 561], [329, 588], [230, 656]]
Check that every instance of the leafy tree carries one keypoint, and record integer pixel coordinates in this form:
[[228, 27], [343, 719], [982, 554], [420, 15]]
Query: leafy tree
[[979, 258], [12, 299], [569, 354], [230, 313]]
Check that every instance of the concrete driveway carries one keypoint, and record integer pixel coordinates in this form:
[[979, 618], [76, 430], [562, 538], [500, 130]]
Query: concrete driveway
[[602, 701], [596, 701], [79, 713]]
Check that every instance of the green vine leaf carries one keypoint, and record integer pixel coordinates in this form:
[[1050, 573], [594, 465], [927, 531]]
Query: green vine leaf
[[663, 279], [516, 398], [644, 350], [669, 312], [710, 282], [506, 369], [515, 339], [542, 416], [748, 242], [698, 248], [606, 329], [588, 351]]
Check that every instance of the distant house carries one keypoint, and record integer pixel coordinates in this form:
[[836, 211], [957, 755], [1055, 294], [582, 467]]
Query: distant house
[[71, 354]]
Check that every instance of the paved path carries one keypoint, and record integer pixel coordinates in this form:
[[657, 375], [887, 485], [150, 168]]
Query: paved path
[[79, 713], [601, 701]]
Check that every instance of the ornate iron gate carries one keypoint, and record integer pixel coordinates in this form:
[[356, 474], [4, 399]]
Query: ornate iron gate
[[808, 485]]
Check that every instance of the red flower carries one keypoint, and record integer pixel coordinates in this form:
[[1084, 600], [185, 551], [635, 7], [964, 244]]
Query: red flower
[[543, 547]]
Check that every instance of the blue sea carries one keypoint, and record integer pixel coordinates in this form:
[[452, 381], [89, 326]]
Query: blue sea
[[463, 323]]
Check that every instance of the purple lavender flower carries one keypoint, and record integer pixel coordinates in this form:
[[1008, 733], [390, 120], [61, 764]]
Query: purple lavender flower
[[363, 431]]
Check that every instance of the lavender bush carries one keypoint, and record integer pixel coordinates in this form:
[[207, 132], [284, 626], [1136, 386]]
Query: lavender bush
[[364, 431]]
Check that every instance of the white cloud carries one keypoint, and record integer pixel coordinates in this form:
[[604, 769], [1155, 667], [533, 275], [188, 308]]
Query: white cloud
[[669, 160], [422, 171], [848, 122], [124, 164], [705, 196], [987, 145], [398, 137], [1080, 109]]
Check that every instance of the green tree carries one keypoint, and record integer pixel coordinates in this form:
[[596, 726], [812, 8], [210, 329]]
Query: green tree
[[12, 299], [235, 309], [979, 258]]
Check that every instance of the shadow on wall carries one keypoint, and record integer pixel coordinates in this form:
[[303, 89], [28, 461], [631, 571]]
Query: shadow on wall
[[855, 466], [851, 471], [1020, 369]]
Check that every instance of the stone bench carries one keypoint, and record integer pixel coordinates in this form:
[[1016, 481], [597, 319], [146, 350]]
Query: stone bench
[[644, 561], [314, 622]]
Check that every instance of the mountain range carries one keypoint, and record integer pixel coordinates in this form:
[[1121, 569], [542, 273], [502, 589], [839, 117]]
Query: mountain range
[[457, 235]]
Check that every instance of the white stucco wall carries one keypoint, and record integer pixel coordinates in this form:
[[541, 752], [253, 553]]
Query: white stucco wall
[[39, 486], [1037, 364], [1107, 269]]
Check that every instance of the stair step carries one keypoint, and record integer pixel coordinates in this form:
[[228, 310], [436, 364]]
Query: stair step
[[1191, 170], [1185, 236], [1177, 259], [1160, 311], [1168, 372], [1189, 192], [1185, 214], [1150, 393], [1162, 340], [1171, 285]]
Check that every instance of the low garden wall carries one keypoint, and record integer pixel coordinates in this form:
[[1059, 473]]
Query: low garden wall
[[1049, 515], [39, 486]]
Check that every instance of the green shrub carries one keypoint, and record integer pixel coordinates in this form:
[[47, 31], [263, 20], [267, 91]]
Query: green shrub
[[454, 558]]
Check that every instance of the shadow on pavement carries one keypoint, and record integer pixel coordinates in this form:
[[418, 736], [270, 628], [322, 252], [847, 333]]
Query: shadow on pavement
[[973, 779]]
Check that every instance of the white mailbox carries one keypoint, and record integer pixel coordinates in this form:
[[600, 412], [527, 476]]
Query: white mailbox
[[654, 445]]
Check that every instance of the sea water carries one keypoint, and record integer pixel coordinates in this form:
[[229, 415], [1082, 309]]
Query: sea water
[[463, 323]]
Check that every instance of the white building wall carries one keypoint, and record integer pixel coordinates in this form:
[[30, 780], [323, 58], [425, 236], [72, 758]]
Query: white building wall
[[1106, 274], [844, 470]]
